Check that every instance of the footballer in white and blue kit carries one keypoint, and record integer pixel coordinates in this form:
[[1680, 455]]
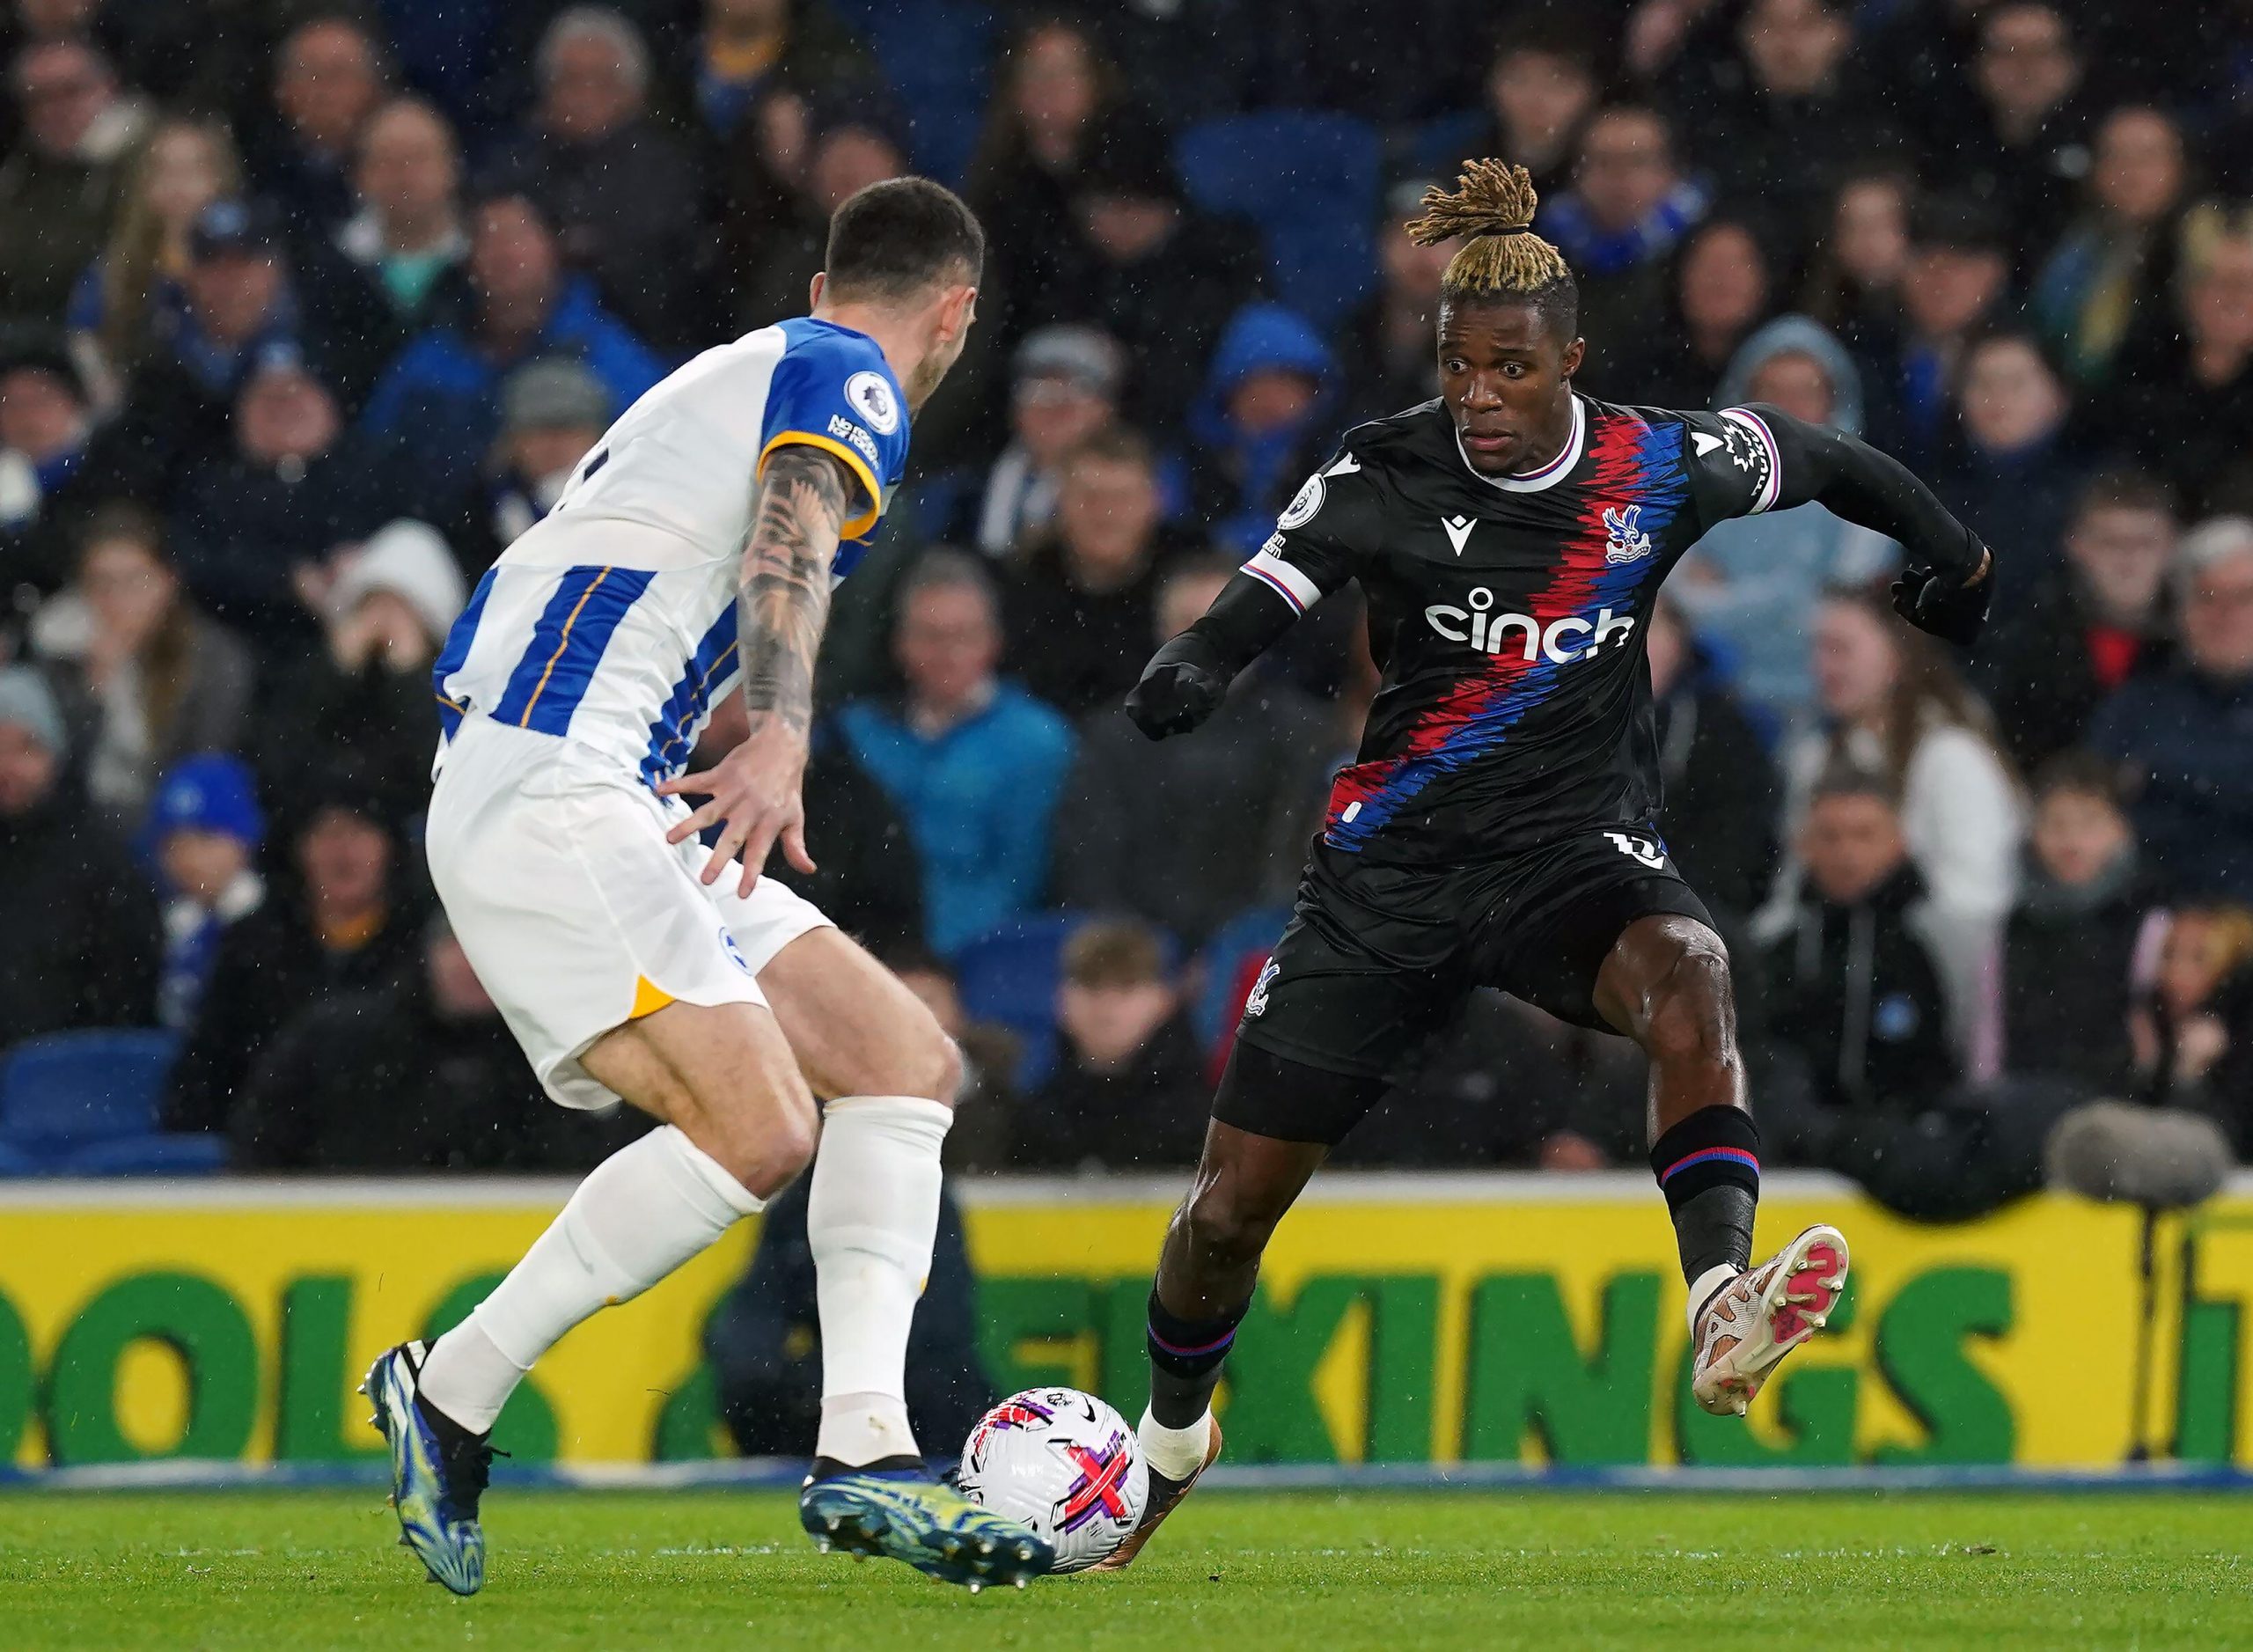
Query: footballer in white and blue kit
[[582, 672], [691, 555]]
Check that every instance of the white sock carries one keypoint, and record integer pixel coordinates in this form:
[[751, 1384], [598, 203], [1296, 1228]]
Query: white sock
[[1702, 1288], [870, 1218], [639, 1214], [1176, 1453]]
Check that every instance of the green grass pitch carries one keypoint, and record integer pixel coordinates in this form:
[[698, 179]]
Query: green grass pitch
[[1234, 1571]]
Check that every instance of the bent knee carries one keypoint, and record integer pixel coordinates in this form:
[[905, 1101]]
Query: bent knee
[[939, 1068], [764, 1140], [1223, 1230], [921, 1060], [1691, 1012]]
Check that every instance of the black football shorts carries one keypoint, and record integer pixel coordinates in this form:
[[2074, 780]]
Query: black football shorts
[[1377, 958]]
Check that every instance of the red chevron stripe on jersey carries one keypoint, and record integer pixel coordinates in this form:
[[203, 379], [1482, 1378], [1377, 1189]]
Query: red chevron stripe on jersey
[[1630, 462]]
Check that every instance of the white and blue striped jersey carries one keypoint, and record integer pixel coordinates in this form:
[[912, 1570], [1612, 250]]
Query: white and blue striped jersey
[[612, 621]]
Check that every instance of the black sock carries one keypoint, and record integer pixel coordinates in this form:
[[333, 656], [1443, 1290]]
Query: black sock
[[1186, 1360], [1708, 1167], [830, 1467]]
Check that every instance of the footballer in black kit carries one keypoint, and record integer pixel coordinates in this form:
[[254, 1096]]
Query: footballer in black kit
[[1498, 827], [1502, 824]]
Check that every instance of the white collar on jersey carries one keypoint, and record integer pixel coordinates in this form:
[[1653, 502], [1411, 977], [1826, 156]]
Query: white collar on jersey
[[1550, 474]]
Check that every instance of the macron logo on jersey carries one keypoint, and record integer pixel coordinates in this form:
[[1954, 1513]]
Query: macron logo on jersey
[[1485, 631]]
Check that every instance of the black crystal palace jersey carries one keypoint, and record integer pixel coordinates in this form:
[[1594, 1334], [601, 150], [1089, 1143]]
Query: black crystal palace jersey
[[1508, 615]]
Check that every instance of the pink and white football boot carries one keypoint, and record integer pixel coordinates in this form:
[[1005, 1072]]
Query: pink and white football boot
[[1750, 1323]]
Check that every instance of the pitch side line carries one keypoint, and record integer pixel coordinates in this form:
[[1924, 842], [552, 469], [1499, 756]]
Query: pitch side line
[[785, 1473]]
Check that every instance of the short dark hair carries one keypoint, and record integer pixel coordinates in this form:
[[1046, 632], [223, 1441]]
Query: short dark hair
[[943, 568], [1114, 952], [2082, 774], [1117, 443], [1542, 35], [2123, 487], [126, 519], [1846, 779], [894, 238]]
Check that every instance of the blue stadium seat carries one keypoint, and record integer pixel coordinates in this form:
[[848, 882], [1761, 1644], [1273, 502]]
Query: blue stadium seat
[[1009, 977], [14, 1162], [176, 1154], [1255, 931], [1310, 182], [935, 56], [68, 1090], [1442, 144]]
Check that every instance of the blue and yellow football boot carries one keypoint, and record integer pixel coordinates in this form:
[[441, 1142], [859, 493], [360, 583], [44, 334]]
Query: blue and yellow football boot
[[896, 1509], [438, 1470]]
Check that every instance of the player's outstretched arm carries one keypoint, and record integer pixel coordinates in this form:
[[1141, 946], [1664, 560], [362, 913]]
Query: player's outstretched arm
[[782, 606], [1948, 578], [1187, 679]]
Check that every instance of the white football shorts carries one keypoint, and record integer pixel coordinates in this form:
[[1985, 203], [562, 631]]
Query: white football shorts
[[575, 912]]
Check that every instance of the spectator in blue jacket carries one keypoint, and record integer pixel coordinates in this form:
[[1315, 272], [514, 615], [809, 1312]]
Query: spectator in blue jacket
[[1749, 588], [1258, 426], [2185, 738], [439, 404], [974, 764]]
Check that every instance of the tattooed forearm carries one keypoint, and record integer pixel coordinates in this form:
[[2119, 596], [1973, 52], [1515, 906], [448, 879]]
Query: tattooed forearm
[[784, 602]]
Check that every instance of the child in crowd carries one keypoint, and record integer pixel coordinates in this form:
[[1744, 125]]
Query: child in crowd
[[1128, 1086], [1854, 985], [2071, 941], [205, 828]]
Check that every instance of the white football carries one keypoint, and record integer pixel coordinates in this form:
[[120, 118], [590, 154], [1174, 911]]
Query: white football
[[1063, 1463]]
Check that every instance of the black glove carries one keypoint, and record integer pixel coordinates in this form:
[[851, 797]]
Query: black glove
[[1181, 686], [1951, 608]]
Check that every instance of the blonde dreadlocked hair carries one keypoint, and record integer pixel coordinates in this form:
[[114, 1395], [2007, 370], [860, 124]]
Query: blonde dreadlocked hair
[[1503, 259]]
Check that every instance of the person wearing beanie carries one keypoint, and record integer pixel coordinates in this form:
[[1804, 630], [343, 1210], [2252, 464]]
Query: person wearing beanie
[[1064, 388], [340, 919], [367, 691], [552, 411], [204, 830], [81, 924]]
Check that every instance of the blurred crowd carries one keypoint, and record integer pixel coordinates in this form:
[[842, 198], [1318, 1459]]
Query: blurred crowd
[[306, 311]]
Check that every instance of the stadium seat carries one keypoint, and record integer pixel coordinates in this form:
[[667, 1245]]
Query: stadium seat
[[14, 1162], [72, 1089], [1310, 182], [173, 1154], [1009, 977], [1442, 144], [935, 56]]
